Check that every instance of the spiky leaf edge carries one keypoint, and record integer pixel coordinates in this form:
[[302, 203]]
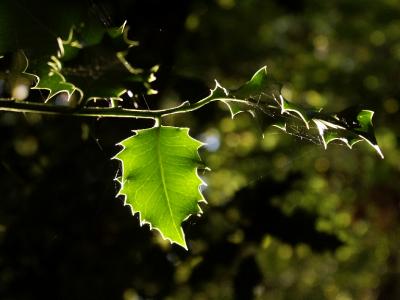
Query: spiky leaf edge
[[143, 222]]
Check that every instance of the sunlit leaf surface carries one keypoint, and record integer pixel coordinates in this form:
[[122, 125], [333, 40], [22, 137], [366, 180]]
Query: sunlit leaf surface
[[159, 178]]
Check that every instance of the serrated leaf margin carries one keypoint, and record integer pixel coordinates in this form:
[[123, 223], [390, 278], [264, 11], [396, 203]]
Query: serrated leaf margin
[[142, 221]]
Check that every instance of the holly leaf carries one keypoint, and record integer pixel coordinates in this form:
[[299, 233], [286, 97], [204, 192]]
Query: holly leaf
[[350, 126], [159, 178], [260, 84], [91, 63], [261, 97], [48, 77], [258, 89]]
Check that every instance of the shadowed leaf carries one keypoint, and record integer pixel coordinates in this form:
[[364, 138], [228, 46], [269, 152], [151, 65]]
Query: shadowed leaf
[[261, 97]]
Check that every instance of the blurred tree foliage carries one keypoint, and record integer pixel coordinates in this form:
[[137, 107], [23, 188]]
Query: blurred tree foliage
[[286, 219]]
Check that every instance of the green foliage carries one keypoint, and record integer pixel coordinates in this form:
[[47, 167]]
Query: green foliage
[[151, 183], [255, 96], [91, 63], [349, 126], [275, 200], [260, 86], [159, 178], [159, 164]]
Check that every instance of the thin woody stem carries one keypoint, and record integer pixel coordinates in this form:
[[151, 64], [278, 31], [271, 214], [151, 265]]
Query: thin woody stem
[[114, 112]]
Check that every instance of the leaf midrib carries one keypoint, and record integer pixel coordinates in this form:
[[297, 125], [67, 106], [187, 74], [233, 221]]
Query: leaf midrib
[[163, 180]]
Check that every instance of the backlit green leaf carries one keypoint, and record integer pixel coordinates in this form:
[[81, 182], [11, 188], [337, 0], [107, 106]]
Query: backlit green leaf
[[159, 178]]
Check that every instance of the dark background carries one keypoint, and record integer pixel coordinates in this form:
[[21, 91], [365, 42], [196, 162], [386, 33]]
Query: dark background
[[286, 219]]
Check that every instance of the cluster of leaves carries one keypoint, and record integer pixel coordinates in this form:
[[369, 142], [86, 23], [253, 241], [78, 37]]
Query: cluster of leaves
[[159, 177], [326, 54], [89, 65]]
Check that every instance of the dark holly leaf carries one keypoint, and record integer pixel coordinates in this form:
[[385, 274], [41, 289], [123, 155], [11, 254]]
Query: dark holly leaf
[[262, 98], [91, 64]]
